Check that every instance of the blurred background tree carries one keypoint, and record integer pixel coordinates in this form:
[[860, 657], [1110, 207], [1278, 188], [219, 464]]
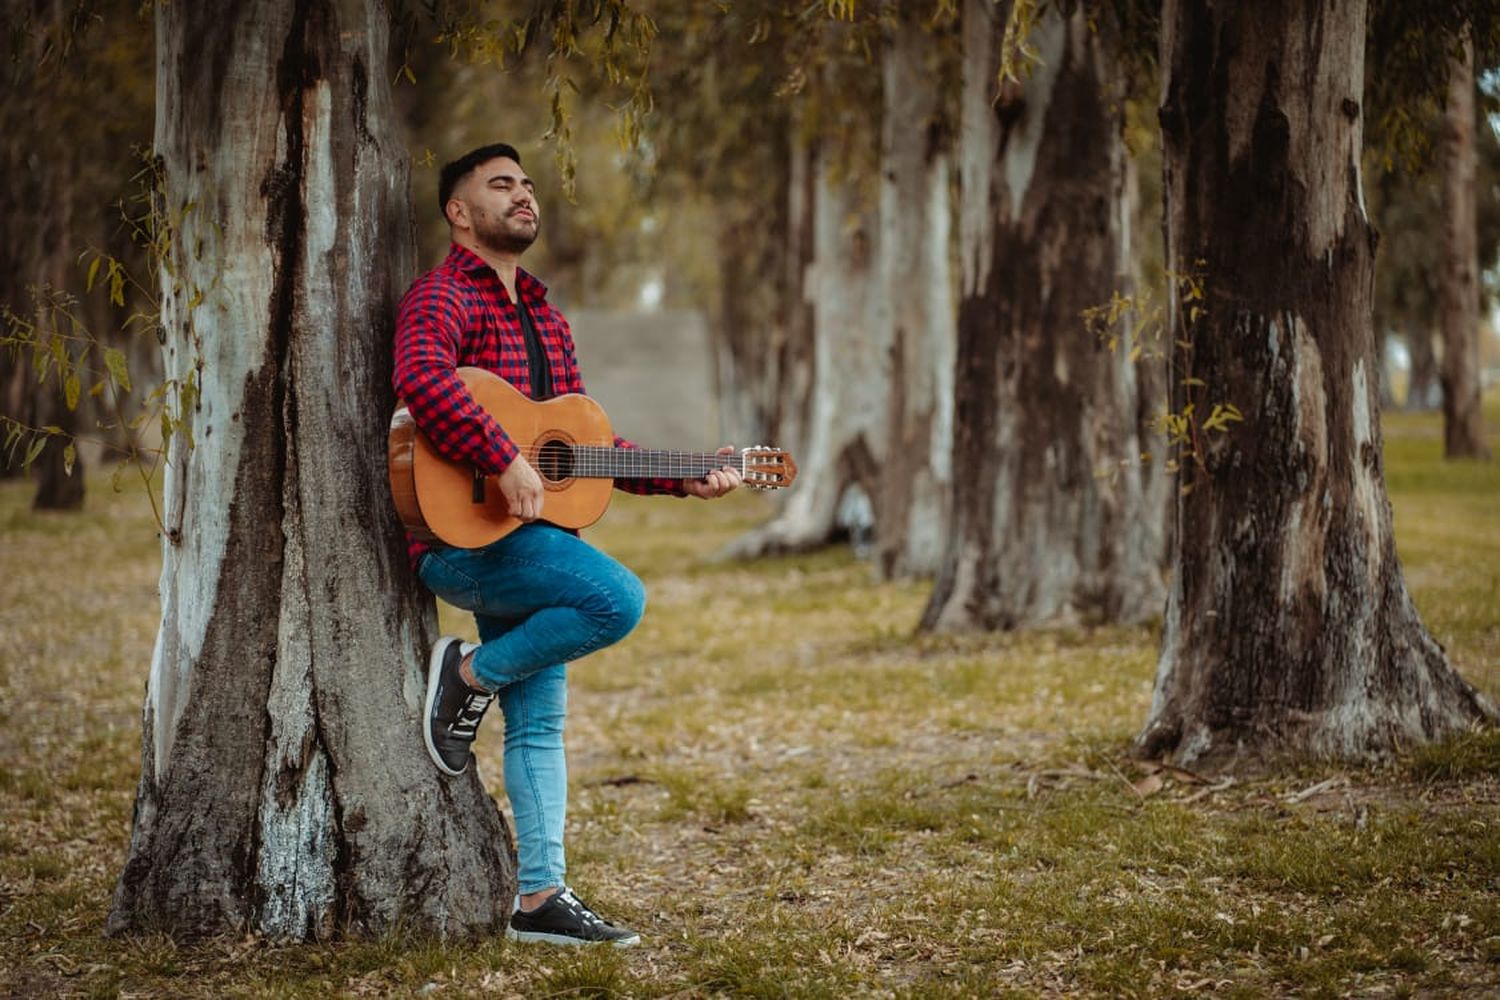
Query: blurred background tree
[[74, 125]]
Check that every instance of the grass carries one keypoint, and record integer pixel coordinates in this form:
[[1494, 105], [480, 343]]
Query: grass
[[792, 796]]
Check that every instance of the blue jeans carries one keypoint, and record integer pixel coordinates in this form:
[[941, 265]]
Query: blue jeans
[[541, 597]]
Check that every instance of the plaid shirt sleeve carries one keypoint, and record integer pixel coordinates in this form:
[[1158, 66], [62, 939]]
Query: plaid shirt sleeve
[[572, 381], [429, 332]]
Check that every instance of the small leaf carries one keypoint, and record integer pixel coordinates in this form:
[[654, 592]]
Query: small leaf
[[70, 454], [37, 444], [72, 388], [88, 284], [114, 359]]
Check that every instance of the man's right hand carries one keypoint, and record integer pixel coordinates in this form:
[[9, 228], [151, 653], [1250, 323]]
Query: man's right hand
[[522, 489]]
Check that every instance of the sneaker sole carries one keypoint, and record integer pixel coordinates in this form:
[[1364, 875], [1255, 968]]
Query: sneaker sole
[[434, 671], [542, 937]]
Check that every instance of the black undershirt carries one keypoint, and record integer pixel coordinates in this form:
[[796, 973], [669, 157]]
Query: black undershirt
[[536, 357]]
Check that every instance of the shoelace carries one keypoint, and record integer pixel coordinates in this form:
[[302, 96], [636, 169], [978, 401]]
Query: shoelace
[[579, 909], [467, 723]]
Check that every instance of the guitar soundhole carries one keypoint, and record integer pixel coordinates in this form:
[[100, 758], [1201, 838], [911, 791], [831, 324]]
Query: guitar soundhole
[[554, 461]]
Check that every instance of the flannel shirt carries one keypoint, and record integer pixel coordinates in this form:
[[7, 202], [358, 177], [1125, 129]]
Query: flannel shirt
[[459, 314]]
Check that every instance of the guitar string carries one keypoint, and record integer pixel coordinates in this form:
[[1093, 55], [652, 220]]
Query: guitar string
[[606, 461]]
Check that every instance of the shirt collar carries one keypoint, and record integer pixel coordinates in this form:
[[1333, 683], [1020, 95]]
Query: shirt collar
[[528, 285]]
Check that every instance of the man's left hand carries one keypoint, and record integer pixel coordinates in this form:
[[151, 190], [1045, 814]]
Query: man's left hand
[[717, 483]]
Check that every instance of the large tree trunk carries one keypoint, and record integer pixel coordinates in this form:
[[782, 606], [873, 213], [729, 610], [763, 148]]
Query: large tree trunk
[[1289, 628], [914, 285], [1046, 527], [1463, 418], [847, 375], [284, 786]]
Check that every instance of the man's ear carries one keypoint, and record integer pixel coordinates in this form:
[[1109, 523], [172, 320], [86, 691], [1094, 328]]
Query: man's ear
[[457, 213]]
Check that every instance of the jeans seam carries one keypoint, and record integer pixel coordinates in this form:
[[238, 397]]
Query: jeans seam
[[470, 582]]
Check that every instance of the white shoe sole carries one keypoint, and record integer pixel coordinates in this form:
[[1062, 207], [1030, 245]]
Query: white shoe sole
[[542, 937], [434, 671]]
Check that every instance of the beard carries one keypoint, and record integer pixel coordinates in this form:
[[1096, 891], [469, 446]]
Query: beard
[[506, 234]]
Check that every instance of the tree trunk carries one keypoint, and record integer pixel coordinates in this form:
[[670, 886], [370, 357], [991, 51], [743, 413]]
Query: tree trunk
[[916, 303], [848, 380], [1049, 515], [284, 788], [1424, 390], [58, 486], [1289, 628], [763, 327], [1463, 418]]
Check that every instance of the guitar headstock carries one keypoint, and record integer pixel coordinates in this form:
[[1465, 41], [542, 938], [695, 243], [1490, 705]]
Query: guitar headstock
[[765, 468]]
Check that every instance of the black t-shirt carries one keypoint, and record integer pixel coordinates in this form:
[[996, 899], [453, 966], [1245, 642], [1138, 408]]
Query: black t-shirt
[[536, 357]]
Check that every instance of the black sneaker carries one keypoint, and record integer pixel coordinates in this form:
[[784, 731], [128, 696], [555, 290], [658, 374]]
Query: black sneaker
[[453, 708], [564, 919]]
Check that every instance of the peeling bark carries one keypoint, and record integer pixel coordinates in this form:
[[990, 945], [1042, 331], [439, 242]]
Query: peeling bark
[[915, 303], [1050, 518], [1289, 628], [284, 788]]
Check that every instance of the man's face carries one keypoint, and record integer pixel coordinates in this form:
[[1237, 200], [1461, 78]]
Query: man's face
[[499, 205]]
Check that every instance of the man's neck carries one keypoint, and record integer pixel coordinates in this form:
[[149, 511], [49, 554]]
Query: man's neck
[[505, 265]]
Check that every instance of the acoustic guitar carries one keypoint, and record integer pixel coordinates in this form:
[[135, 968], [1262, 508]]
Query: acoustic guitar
[[568, 440]]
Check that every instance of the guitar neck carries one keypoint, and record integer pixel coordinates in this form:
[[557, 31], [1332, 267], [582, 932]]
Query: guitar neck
[[597, 462]]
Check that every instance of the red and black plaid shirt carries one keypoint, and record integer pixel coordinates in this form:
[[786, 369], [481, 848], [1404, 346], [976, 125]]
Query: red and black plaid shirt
[[459, 314]]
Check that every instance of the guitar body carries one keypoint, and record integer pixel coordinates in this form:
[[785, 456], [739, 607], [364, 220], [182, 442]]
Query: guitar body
[[436, 496]]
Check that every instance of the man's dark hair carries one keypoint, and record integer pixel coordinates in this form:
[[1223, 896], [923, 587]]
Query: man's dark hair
[[464, 165]]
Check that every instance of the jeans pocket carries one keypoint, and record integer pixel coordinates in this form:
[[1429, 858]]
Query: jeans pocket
[[450, 583]]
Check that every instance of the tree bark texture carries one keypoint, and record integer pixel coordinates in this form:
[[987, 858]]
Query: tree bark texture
[[915, 301], [1049, 518], [1289, 628], [1458, 288], [763, 328], [847, 374], [285, 789]]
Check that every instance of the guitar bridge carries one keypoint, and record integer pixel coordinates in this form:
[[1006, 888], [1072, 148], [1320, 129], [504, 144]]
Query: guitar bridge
[[477, 494]]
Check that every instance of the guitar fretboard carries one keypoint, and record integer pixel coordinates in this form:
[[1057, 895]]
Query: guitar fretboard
[[556, 460]]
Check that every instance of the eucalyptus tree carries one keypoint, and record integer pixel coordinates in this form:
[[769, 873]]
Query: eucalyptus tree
[[1052, 510], [1289, 626], [914, 285], [284, 788], [1436, 156], [1463, 417], [766, 108]]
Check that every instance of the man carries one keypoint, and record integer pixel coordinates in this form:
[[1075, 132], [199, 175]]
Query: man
[[541, 596]]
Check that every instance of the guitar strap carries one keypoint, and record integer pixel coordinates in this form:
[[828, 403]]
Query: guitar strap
[[536, 356]]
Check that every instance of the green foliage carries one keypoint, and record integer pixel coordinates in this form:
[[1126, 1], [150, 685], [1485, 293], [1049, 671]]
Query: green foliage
[[1136, 324], [607, 40], [1409, 49]]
